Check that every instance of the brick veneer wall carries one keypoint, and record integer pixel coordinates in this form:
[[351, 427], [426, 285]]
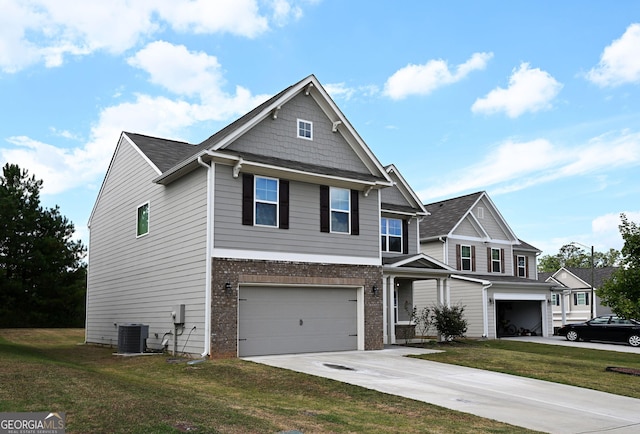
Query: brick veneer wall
[[224, 306]]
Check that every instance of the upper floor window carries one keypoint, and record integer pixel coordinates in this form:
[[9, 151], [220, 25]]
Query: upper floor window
[[266, 201], [142, 222], [580, 299], [522, 266], [340, 208], [305, 129], [496, 260], [465, 258], [391, 235]]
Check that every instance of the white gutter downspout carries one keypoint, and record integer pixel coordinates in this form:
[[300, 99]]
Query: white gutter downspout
[[485, 310], [209, 242]]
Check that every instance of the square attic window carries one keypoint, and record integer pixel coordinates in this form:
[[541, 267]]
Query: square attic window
[[305, 129]]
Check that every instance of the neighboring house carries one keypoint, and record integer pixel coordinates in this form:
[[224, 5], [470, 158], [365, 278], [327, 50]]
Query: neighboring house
[[496, 273], [281, 233], [573, 300]]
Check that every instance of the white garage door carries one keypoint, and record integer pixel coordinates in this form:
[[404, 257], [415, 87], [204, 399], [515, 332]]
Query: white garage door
[[286, 320]]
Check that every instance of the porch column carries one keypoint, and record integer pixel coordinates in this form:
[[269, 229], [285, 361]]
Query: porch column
[[447, 292], [440, 289], [563, 307], [385, 306], [391, 310]]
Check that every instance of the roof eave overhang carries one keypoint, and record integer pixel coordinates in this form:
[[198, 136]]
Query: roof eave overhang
[[416, 273], [265, 169]]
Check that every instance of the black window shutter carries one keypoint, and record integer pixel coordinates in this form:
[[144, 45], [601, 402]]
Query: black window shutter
[[324, 208], [489, 268], [586, 298], [458, 257], [355, 213], [283, 203], [575, 299], [516, 266], [526, 267], [405, 237], [473, 258], [502, 261], [247, 199]]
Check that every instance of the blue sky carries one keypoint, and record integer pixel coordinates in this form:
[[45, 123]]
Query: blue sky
[[538, 103]]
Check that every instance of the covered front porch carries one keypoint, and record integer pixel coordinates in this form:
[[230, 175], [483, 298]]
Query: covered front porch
[[399, 275]]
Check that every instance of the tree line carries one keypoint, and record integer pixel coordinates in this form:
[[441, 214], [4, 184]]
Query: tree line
[[42, 273]]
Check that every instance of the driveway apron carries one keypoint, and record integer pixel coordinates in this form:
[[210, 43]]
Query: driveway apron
[[534, 404]]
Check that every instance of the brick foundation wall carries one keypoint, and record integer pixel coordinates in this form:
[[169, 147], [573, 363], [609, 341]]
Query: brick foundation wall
[[224, 304]]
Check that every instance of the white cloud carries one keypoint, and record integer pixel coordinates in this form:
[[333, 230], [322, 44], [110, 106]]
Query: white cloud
[[195, 75], [424, 79], [346, 93], [48, 31], [514, 166], [620, 61], [530, 90]]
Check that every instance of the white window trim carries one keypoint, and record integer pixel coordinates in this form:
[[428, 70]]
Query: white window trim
[[256, 201], [584, 298], [387, 235], [332, 210], [499, 261], [524, 265], [148, 219], [462, 258], [298, 129]]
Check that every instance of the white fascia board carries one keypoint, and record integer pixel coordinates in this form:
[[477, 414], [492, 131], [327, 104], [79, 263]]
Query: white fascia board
[[471, 279], [294, 257], [353, 138], [500, 219], [292, 174], [415, 273], [479, 240], [518, 296], [406, 190], [123, 138], [418, 257]]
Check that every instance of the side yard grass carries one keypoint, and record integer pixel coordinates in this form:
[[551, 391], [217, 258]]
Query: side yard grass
[[582, 367], [46, 370]]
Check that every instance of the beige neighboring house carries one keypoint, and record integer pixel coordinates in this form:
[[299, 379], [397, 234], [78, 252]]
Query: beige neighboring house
[[572, 301]]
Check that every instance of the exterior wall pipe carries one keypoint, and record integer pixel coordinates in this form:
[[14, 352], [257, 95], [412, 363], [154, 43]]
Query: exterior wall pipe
[[209, 242], [485, 311]]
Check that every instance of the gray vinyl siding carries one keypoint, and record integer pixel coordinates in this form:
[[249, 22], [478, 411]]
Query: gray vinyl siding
[[140, 280], [393, 196], [467, 229], [303, 235], [279, 137], [481, 256], [490, 222], [435, 250], [469, 295]]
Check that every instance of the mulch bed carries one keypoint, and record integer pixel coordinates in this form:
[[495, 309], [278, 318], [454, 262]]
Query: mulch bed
[[628, 371]]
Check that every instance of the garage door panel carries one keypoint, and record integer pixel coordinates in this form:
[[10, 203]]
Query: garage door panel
[[296, 320]]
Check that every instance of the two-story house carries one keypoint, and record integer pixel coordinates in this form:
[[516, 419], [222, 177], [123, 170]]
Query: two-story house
[[280, 233], [575, 299], [496, 273]]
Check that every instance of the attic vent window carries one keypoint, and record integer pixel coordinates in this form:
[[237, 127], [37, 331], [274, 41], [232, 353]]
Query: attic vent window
[[305, 129], [480, 212]]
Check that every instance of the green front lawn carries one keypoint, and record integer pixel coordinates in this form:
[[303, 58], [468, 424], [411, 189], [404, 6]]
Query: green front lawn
[[582, 367], [46, 370]]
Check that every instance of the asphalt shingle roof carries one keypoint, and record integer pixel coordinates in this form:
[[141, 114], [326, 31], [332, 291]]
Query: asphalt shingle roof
[[446, 214], [163, 153]]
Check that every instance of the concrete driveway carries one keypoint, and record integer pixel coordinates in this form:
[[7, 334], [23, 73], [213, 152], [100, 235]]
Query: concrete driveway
[[524, 402], [561, 340]]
